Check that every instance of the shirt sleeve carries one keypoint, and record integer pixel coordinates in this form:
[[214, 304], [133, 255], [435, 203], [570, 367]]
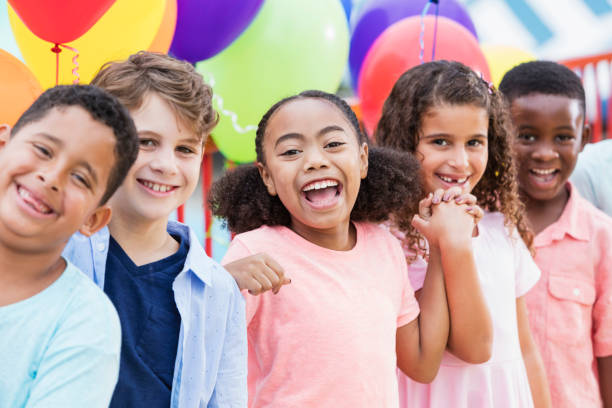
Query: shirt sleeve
[[81, 365], [238, 250], [602, 309], [526, 272], [231, 386]]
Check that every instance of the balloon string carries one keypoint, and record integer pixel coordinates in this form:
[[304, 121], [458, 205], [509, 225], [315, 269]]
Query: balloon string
[[232, 115], [422, 33], [433, 49], [75, 71], [56, 49]]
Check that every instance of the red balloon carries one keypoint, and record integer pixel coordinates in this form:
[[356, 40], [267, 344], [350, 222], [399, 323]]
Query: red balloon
[[60, 21], [397, 49]]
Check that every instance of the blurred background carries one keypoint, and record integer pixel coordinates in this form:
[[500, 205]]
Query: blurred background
[[255, 52]]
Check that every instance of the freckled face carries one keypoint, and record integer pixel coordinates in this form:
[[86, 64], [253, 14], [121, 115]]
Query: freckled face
[[453, 147], [314, 163], [550, 136]]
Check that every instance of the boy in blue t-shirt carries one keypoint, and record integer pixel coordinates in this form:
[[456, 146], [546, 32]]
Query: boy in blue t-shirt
[[59, 334], [182, 315]]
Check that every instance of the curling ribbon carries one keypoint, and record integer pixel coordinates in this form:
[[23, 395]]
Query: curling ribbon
[[232, 115], [75, 71], [422, 33]]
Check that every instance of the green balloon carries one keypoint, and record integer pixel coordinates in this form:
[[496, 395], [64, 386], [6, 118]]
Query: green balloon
[[291, 46]]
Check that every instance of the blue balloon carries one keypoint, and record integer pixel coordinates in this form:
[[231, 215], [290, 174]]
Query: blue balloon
[[348, 7]]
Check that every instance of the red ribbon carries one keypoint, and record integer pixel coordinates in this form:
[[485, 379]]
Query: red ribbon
[[75, 71]]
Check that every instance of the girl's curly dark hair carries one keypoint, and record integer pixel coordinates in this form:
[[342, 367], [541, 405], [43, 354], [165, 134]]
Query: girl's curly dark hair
[[241, 197], [451, 83]]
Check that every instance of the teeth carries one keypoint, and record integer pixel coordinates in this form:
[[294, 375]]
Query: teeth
[[451, 180], [543, 172], [157, 187], [320, 185], [39, 206]]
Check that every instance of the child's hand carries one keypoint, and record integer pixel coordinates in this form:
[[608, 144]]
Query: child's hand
[[453, 193], [258, 274], [446, 220]]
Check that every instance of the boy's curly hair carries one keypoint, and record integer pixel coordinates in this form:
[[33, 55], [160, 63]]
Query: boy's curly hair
[[440, 83], [241, 197], [177, 82]]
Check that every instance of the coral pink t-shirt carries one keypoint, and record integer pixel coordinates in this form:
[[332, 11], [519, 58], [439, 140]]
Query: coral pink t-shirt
[[570, 309], [328, 338]]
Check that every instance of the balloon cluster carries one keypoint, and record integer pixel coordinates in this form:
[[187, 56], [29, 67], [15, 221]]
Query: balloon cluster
[[253, 52]]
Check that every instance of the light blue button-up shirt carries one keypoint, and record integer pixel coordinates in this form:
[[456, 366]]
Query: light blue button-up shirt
[[211, 360]]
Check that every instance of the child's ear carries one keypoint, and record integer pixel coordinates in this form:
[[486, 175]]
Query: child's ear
[[267, 178], [96, 221], [5, 134], [586, 135], [363, 157]]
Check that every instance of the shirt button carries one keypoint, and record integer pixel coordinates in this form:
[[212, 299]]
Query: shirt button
[[576, 292], [100, 246]]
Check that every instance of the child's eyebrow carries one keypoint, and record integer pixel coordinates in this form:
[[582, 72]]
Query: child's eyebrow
[[287, 137], [52, 139]]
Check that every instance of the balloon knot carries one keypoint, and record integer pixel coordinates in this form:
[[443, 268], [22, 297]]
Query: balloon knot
[[56, 49]]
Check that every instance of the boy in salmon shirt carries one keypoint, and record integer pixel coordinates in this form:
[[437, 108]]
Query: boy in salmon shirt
[[571, 306]]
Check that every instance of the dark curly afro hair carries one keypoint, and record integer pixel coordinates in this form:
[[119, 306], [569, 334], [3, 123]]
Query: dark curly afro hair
[[241, 198]]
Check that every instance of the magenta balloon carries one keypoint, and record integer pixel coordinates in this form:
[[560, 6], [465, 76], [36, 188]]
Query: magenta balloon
[[376, 15], [205, 27]]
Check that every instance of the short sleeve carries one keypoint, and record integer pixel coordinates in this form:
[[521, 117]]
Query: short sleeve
[[238, 250], [602, 309], [409, 307], [81, 365], [526, 271]]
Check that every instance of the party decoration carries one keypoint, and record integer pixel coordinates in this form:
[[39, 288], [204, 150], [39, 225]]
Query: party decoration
[[376, 15], [165, 32], [205, 27], [502, 58], [291, 46], [397, 49], [60, 21], [18, 87], [347, 5], [127, 27]]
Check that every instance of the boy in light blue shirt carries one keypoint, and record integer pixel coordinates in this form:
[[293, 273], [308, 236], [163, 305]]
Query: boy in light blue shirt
[[59, 334], [182, 314]]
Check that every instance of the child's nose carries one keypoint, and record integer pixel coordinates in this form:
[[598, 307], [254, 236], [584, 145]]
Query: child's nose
[[459, 160], [315, 159], [544, 152], [51, 178], [164, 161]]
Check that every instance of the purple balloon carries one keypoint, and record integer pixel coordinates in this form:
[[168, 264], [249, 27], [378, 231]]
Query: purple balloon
[[205, 27], [376, 15]]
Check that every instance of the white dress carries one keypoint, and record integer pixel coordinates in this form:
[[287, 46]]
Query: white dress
[[506, 271]]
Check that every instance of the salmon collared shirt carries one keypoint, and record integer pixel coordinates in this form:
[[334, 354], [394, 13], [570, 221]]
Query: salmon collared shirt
[[570, 308]]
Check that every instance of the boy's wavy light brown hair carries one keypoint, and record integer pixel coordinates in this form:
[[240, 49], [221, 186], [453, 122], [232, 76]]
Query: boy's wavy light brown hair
[[177, 82], [451, 83]]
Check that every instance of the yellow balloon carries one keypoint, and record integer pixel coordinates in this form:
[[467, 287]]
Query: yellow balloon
[[127, 27], [502, 58]]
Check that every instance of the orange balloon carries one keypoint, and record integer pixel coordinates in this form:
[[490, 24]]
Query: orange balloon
[[18, 87], [165, 33]]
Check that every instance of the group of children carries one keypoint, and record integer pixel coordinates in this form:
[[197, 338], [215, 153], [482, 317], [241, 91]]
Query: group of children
[[399, 274]]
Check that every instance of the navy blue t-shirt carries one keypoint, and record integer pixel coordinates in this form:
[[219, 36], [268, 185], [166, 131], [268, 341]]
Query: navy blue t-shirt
[[150, 324]]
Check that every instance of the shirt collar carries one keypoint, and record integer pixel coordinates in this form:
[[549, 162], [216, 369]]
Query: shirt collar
[[197, 261], [570, 222]]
